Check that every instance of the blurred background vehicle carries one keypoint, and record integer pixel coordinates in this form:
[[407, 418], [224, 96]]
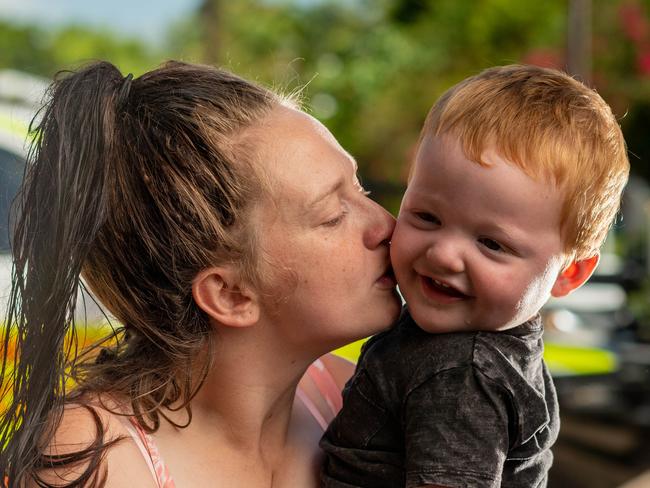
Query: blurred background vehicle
[[19, 95], [370, 70]]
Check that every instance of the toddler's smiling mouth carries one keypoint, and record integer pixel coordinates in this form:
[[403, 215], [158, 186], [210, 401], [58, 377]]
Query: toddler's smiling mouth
[[441, 291]]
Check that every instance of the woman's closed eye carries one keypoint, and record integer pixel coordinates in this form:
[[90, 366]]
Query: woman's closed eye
[[336, 220]]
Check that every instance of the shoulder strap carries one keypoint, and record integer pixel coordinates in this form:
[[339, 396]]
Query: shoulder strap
[[149, 451], [327, 387], [313, 409]]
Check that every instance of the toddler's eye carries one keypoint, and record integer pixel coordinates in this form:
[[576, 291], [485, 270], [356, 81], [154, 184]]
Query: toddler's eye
[[427, 217], [491, 244]]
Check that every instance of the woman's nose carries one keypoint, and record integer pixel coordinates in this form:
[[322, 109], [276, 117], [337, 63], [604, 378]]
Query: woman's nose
[[380, 228], [445, 255]]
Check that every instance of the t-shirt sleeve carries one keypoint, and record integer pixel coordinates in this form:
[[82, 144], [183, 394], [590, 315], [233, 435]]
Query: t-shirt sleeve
[[456, 430]]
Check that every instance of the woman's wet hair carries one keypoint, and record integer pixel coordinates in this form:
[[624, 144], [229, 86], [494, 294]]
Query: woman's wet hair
[[135, 185]]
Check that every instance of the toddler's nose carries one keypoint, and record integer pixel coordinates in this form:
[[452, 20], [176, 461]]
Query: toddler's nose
[[445, 256]]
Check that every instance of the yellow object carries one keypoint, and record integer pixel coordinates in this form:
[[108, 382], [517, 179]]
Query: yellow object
[[351, 351], [561, 359], [13, 126], [571, 360]]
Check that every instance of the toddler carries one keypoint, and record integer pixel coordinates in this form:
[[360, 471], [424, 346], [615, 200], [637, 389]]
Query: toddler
[[517, 179]]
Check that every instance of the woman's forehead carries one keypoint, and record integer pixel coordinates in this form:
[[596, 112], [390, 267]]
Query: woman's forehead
[[299, 155], [286, 127]]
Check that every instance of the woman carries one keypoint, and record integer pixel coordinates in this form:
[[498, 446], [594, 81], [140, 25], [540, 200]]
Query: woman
[[228, 233]]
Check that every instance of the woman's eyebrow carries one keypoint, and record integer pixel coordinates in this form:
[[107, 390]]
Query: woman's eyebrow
[[338, 184], [322, 196]]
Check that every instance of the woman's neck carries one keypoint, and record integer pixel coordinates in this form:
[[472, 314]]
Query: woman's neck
[[247, 397]]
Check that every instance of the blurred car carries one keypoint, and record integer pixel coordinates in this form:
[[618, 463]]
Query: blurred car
[[20, 97], [11, 167], [17, 106]]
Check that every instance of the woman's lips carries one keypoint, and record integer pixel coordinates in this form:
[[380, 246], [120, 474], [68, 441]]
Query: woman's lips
[[441, 292], [387, 280]]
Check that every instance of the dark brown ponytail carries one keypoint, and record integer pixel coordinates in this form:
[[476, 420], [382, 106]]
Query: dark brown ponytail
[[61, 207], [136, 185]]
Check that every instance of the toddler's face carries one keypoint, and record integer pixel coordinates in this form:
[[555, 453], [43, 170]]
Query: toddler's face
[[475, 248]]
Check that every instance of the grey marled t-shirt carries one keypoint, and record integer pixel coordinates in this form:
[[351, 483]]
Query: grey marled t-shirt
[[470, 409]]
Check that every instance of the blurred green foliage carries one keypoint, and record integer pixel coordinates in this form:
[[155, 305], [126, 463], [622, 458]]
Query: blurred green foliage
[[370, 70], [44, 52]]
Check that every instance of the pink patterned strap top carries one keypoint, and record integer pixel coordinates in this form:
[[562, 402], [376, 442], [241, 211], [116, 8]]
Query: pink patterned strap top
[[318, 373], [150, 453], [328, 389]]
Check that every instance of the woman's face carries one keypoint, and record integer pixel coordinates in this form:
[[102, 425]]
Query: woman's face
[[324, 241]]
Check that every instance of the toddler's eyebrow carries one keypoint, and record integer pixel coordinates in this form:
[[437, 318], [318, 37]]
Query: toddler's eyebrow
[[511, 234]]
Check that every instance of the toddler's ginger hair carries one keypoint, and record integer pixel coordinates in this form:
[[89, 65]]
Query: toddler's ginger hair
[[552, 127]]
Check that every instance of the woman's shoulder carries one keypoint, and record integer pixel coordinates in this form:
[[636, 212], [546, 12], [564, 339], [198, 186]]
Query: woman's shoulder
[[82, 427]]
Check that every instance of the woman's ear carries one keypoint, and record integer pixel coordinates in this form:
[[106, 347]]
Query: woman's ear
[[574, 275], [221, 294]]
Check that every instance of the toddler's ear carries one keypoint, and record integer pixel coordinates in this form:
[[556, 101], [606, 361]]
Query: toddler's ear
[[574, 275]]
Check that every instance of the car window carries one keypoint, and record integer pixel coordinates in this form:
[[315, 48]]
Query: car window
[[11, 173]]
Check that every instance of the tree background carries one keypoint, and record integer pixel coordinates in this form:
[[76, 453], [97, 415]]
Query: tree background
[[371, 69]]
